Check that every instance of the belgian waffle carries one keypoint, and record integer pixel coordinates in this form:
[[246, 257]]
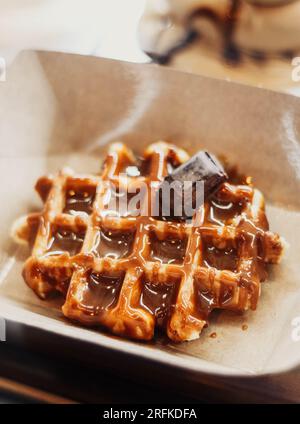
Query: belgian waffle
[[132, 273]]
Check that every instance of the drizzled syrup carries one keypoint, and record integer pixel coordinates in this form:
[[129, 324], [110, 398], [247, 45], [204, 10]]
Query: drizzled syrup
[[169, 250], [65, 241], [114, 244], [204, 299], [222, 213], [219, 258], [102, 292], [80, 200], [159, 299]]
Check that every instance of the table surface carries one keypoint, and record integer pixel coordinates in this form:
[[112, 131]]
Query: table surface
[[28, 376], [40, 368]]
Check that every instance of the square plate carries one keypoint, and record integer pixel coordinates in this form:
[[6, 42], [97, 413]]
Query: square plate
[[63, 110]]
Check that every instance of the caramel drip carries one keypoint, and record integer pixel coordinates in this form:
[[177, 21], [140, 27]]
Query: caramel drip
[[65, 241], [132, 273], [79, 200]]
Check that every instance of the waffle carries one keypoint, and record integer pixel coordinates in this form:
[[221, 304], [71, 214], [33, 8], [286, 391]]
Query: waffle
[[132, 273]]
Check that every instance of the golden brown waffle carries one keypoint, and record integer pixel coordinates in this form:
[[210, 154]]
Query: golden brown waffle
[[130, 273]]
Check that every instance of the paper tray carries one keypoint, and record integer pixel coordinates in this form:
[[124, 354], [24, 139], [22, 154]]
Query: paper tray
[[60, 109]]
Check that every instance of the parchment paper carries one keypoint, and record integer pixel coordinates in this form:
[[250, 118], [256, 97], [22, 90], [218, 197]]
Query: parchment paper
[[58, 109]]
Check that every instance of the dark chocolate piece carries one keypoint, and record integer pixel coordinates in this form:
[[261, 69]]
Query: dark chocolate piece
[[199, 177]]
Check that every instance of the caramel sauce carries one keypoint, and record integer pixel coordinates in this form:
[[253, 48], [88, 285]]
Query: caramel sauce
[[80, 200], [251, 248], [33, 222], [96, 292], [65, 241], [169, 250], [234, 174], [204, 300], [61, 282], [121, 167], [223, 213], [114, 244], [102, 292], [43, 187], [159, 299], [219, 258], [226, 296]]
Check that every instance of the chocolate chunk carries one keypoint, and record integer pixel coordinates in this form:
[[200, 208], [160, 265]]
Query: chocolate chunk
[[201, 167], [192, 183]]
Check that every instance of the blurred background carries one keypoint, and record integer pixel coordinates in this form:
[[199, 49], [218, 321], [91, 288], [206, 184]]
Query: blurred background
[[256, 42], [94, 27]]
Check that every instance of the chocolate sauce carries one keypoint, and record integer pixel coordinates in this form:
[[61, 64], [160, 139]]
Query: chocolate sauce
[[65, 241], [114, 244], [169, 250], [79, 200], [159, 299], [102, 292]]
